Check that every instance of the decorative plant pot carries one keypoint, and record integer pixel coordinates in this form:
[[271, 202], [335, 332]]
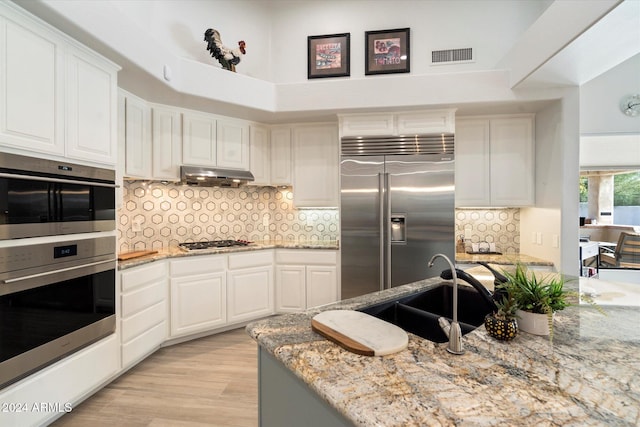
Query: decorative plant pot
[[533, 323], [504, 330]]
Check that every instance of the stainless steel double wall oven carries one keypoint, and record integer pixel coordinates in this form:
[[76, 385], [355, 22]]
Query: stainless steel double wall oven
[[57, 293]]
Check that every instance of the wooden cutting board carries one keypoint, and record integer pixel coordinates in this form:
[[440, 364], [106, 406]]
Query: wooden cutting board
[[136, 254], [359, 332]]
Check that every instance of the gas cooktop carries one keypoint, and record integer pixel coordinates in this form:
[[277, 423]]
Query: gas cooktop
[[192, 246]]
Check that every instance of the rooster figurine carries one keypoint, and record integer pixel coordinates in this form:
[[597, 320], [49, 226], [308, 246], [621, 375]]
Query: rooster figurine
[[228, 58]]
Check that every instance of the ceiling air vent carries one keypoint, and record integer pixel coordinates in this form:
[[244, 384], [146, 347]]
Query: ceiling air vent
[[452, 55]]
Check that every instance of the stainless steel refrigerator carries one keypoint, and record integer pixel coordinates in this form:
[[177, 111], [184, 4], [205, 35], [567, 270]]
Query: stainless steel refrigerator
[[397, 210]]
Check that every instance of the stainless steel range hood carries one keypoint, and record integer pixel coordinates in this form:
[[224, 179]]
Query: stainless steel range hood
[[214, 177]]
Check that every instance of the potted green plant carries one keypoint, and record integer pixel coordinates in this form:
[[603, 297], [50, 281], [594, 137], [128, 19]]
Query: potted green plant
[[502, 324], [537, 298]]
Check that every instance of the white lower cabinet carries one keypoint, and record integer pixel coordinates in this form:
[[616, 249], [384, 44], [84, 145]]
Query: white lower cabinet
[[144, 310], [291, 288], [305, 279], [63, 384], [250, 286], [198, 294]]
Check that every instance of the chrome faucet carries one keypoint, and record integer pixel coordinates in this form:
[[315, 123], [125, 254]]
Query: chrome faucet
[[452, 330]]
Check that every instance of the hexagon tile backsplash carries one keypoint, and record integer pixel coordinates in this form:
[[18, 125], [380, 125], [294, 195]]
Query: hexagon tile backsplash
[[159, 215], [499, 226]]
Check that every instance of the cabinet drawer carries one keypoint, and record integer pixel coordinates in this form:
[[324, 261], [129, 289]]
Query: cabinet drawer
[[141, 346], [142, 276], [140, 299], [140, 322], [198, 265], [252, 259], [307, 257]]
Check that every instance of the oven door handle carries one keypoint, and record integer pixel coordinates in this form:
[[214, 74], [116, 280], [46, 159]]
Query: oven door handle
[[58, 180], [48, 273]]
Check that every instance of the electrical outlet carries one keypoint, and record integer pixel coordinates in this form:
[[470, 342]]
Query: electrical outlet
[[265, 220], [467, 234], [137, 225], [555, 241], [539, 237]]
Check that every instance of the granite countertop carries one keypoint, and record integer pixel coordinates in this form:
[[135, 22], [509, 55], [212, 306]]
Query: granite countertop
[[503, 259], [590, 375], [175, 252]]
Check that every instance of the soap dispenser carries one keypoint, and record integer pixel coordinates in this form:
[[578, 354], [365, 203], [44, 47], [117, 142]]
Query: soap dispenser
[[460, 245]]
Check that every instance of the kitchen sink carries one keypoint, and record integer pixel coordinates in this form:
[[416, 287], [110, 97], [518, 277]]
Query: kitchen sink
[[418, 313]]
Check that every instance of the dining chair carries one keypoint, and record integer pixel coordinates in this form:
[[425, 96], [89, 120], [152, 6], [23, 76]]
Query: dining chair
[[626, 253]]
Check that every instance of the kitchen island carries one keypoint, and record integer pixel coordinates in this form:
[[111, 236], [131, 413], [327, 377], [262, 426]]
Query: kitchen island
[[590, 375]]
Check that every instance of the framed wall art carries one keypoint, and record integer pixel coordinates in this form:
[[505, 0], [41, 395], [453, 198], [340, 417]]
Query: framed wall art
[[328, 56], [387, 51]]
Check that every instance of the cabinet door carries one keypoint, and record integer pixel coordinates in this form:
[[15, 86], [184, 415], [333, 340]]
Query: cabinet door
[[167, 143], [368, 124], [473, 187], [198, 139], [281, 155], [31, 82], [233, 144], [137, 136], [260, 154], [425, 122], [250, 293], [512, 161], [322, 285], [315, 166], [91, 96], [198, 303], [291, 292]]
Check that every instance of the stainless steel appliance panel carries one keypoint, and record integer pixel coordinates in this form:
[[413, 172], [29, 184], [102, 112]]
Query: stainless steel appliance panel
[[55, 298], [361, 222], [41, 197], [422, 205]]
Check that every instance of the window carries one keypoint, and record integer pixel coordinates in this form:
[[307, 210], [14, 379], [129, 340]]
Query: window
[[617, 192]]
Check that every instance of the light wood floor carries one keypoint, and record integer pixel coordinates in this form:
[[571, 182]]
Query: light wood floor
[[212, 381]]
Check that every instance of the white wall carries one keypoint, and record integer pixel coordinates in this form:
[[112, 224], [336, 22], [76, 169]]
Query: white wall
[[556, 212], [489, 27], [600, 98]]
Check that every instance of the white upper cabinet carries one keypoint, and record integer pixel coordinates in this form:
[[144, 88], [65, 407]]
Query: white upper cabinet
[[260, 154], [137, 118], [495, 161], [368, 124], [166, 143], [58, 97], [315, 165], [512, 161], [426, 122], [32, 78], [198, 139], [91, 114], [280, 155], [407, 123], [473, 163], [208, 140], [232, 144]]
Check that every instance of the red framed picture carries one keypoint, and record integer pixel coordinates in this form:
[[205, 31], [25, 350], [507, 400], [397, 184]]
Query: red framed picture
[[387, 51], [328, 56]]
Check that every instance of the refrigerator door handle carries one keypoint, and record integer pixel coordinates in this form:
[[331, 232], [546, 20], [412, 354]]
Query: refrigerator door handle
[[387, 235], [381, 203]]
